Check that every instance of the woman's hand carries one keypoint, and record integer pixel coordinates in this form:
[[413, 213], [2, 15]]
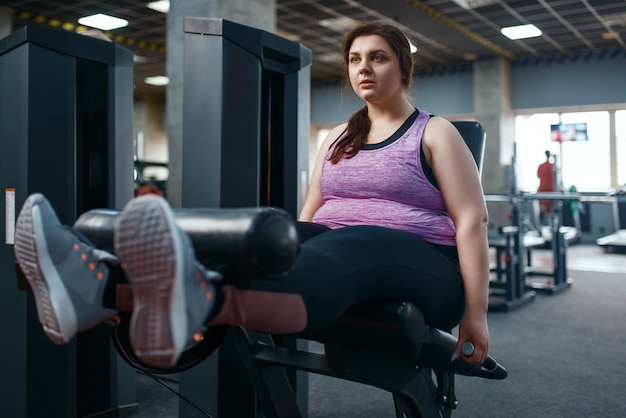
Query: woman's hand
[[473, 328]]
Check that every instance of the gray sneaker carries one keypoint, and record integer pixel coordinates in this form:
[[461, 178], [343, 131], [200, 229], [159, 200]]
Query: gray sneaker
[[173, 293], [66, 273]]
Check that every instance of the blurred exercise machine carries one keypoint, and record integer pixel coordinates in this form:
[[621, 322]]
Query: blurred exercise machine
[[66, 105], [616, 242], [516, 278]]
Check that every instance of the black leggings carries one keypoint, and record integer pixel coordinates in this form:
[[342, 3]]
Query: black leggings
[[339, 268]]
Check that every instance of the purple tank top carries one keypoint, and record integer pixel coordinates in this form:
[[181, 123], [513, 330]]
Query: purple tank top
[[384, 185]]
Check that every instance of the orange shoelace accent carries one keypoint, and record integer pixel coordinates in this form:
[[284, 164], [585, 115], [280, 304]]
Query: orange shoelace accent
[[91, 265]]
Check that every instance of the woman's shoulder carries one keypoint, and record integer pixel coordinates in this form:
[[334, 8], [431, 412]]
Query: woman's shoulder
[[438, 123], [333, 135], [338, 130], [440, 133], [438, 126]]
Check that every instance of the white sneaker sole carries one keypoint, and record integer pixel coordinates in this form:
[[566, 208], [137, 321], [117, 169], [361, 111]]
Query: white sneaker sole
[[54, 306], [150, 251]]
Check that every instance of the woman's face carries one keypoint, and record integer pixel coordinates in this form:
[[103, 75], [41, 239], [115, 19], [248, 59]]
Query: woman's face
[[374, 69]]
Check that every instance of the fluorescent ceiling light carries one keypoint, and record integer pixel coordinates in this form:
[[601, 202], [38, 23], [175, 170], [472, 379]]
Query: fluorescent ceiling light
[[340, 24], [473, 4], [615, 19], [610, 35], [162, 6], [332, 57], [470, 56], [521, 32], [157, 80], [103, 22]]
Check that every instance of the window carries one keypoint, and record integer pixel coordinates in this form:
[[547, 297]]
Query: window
[[532, 140], [582, 163], [587, 164], [620, 133]]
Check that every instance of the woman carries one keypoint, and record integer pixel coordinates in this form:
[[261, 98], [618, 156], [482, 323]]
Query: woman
[[395, 211]]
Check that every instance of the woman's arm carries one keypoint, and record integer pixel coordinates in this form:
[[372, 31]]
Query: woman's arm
[[314, 199], [457, 176]]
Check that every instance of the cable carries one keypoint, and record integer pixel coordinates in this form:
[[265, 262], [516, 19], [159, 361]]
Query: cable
[[175, 392], [139, 367]]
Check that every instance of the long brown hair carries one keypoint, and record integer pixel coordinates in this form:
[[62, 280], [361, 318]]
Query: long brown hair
[[359, 123]]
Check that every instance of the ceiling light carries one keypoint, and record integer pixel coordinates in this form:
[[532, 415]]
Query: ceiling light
[[139, 59], [473, 4], [615, 19], [470, 56], [610, 35], [103, 22], [162, 6], [157, 80], [521, 32], [340, 24], [332, 57]]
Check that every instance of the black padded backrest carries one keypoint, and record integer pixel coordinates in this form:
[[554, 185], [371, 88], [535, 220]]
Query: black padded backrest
[[475, 137]]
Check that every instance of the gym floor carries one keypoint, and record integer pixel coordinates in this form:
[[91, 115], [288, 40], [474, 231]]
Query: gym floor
[[564, 354]]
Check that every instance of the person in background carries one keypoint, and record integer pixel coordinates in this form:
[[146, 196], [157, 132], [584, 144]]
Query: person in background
[[545, 173], [395, 211]]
